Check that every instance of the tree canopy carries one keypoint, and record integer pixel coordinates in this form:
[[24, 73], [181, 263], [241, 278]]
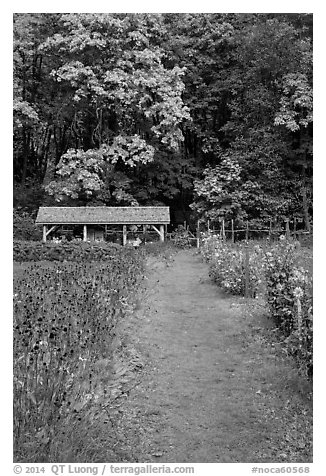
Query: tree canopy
[[204, 112]]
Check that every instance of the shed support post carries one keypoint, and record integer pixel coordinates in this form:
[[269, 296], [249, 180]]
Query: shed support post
[[161, 232], [85, 233], [124, 235], [44, 233]]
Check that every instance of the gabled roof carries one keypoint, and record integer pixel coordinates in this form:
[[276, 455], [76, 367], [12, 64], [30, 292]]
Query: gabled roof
[[103, 215]]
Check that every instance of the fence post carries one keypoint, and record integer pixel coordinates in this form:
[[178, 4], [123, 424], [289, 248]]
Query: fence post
[[287, 229], [232, 230], [247, 270], [294, 228], [208, 225], [223, 230], [247, 231], [270, 229], [198, 234]]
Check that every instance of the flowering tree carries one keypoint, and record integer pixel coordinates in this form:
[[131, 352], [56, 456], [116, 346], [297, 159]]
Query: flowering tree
[[91, 175], [216, 193]]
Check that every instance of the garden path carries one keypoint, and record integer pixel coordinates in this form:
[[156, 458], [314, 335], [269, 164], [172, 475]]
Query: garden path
[[212, 389]]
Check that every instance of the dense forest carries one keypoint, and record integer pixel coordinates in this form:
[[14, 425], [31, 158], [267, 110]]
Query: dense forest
[[210, 114]]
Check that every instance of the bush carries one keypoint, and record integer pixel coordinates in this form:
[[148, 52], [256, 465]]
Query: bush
[[182, 238], [64, 323], [24, 227]]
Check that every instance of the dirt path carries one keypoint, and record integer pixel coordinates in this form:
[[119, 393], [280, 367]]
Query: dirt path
[[212, 390]]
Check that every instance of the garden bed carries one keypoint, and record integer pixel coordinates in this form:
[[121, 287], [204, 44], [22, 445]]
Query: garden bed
[[279, 272]]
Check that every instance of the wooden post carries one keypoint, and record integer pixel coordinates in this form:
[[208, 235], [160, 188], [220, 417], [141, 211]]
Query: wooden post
[[223, 229], [44, 233], [295, 228], [207, 225], [161, 232], [247, 231], [85, 233], [232, 230], [198, 234], [144, 232], [287, 229], [185, 225], [124, 235], [270, 229], [247, 277]]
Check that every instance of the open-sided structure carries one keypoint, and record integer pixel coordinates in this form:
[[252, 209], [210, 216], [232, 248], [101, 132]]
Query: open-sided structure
[[95, 220]]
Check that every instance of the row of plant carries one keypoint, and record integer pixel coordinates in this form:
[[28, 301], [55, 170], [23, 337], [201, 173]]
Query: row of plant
[[65, 251], [65, 318], [275, 271], [289, 294], [232, 267], [26, 251]]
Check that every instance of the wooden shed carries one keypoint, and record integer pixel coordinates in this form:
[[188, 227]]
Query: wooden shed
[[94, 218]]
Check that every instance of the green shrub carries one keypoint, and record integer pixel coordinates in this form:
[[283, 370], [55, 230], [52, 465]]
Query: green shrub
[[182, 238], [24, 227]]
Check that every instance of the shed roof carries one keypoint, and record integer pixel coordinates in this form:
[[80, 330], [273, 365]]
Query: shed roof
[[103, 215]]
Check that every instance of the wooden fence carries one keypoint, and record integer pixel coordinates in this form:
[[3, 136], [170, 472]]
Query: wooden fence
[[230, 232], [248, 232]]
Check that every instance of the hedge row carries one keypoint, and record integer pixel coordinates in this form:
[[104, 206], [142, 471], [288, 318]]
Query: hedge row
[[65, 251]]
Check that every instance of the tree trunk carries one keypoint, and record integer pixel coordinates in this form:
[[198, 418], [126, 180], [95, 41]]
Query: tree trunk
[[50, 170], [25, 156]]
